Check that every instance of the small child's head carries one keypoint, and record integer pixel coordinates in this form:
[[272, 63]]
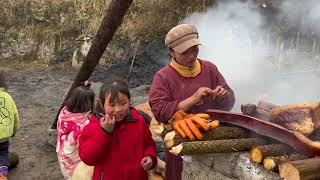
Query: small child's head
[[81, 99], [115, 98], [3, 83]]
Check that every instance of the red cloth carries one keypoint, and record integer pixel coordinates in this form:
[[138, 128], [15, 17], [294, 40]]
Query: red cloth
[[169, 87], [118, 156]]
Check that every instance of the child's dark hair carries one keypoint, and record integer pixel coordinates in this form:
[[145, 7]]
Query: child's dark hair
[[3, 83], [81, 100], [113, 85]]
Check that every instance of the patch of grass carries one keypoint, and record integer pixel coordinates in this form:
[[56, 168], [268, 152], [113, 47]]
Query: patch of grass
[[63, 21]]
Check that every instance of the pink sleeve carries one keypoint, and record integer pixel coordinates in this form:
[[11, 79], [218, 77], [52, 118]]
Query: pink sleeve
[[162, 104], [94, 144]]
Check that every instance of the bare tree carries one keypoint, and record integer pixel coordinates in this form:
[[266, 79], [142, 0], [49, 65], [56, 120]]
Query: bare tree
[[110, 23]]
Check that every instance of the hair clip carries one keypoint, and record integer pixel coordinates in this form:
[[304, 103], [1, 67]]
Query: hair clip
[[87, 83]]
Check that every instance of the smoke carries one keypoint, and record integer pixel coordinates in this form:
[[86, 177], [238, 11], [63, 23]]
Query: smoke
[[303, 16], [257, 62]]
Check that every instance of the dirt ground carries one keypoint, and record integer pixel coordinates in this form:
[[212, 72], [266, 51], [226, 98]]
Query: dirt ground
[[38, 94]]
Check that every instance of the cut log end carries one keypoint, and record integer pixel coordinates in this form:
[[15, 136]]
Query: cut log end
[[157, 129], [269, 164], [300, 169], [272, 162], [168, 139], [176, 149], [288, 172], [256, 155]]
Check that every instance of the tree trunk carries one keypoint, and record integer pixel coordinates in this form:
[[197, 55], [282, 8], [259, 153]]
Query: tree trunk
[[110, 23], [257, 154], [272, 163], [307, 169], [173, 138], [294, 139], [215, 146]]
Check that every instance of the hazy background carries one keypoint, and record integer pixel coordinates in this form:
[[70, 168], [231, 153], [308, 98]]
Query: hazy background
[[248, 46]]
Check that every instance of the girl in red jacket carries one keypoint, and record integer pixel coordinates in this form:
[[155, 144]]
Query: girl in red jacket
[[119, 144]]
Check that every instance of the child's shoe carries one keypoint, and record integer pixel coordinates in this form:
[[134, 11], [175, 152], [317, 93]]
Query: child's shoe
[[3, 172]]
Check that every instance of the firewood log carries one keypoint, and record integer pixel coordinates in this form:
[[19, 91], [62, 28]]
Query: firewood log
[[272, 163], [298, 117], [275, 112], [299, 120], [173, 138], [294, 139], [249, 109], [307, 169], [264, 109], [260, 111], [258, 153], [215, 146], [161, 129]]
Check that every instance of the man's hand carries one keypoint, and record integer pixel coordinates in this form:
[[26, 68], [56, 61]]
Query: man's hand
[[107, 123], [219, 93], [200, 94], [146, 163]]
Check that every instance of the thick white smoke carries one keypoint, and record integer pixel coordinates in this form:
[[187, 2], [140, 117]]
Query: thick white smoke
[[301, 15], [234, 37]]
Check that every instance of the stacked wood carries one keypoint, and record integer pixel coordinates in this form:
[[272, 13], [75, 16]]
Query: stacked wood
[[258, 153], [173, 138], [216, 146], [162, 129], [294, 139], [272, 163], [306, 169], [260, 111]]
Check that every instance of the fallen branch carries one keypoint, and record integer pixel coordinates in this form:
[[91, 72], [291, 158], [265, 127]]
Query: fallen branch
[[272, 163], [294, 139], [216, 146], [302, 169], [173, 138], [257, 154]]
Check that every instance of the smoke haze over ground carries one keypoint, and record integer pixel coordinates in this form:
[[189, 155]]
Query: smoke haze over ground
[[248, 50]]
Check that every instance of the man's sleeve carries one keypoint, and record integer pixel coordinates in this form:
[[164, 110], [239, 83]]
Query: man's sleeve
[[160, 100]]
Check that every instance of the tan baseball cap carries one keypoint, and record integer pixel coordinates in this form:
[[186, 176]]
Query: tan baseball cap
[[182, 37]]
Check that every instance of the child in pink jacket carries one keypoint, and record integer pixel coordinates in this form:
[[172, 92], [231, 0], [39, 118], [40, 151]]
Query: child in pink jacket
[[72, 119]]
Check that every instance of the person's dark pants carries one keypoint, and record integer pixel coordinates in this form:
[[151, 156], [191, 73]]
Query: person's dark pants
[[4, 153], [174, 166]]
